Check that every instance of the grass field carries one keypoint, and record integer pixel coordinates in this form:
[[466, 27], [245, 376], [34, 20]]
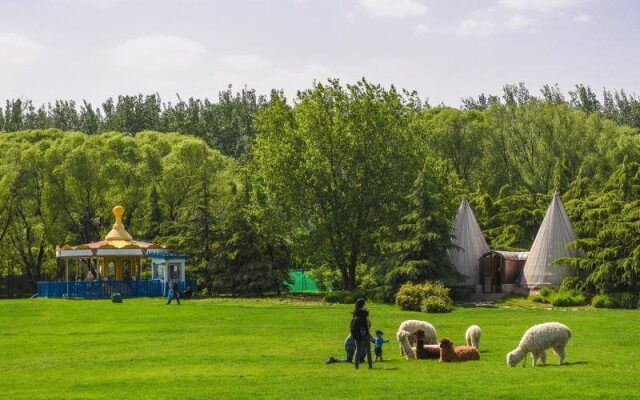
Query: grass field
[[269, 349]]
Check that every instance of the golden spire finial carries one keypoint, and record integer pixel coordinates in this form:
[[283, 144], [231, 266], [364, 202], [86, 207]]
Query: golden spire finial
[[118, 211], [118, 232]]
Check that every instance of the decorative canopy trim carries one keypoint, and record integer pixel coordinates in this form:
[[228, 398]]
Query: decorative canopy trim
[[167, 255]]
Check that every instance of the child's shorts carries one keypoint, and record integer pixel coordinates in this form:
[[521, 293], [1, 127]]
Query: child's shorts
[[378, 352]]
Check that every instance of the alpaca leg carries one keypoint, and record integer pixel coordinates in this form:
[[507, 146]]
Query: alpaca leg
[[543, 358], [407, 349], [560, 352], [534, 358]]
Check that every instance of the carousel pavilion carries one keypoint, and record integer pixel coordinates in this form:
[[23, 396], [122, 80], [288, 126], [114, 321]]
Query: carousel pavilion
[[117, 264]]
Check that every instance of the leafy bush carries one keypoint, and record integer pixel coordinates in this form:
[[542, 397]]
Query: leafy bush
[[546, 292], [563, 297], [567, 298], [436, 304], [410, 296], [615, 300], [539, 299], [626, 300], [543, 296], [345, 297], [603, 301], [326, 278], [338, 296], [429, 297]]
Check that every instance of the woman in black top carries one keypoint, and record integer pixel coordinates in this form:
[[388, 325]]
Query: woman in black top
[[363, 343]]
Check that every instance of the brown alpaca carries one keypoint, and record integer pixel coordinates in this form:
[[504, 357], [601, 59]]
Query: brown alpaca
[[424, 351], [448, 353]]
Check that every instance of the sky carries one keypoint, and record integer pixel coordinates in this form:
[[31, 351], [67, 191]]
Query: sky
[[444, 50]]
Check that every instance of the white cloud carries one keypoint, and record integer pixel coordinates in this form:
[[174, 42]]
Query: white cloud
[[420, 30], [393, 8], [17, 50], [472, 27], [539, 5], [245, 62], [582, 18], [518, 22], [264, 75], [157, 54]]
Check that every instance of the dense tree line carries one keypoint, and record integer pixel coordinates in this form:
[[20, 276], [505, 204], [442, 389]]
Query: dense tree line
[[359, 183], [58, 187], [225, 125]]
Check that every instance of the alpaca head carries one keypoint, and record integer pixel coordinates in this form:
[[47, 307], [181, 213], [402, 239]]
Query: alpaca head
[[445, 343], [512, 360]]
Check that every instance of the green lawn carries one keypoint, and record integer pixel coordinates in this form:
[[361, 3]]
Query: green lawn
[[228, 349]]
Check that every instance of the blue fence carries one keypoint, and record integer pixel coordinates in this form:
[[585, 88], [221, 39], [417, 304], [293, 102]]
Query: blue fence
[[104, 289]]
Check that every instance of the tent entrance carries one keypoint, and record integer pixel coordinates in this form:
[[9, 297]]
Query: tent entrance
[[490, 270]]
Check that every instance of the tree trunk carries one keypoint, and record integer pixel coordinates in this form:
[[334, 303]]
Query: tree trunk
[[353, 283], [345, 277]]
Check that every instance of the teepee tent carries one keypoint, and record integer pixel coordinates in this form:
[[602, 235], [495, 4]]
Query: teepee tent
[[471, 244], [549, 245]]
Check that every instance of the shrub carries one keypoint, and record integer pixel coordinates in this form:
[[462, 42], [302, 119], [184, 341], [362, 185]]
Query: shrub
[[436, 304], [337, 296], [567, 298], [410, 296], [626, 300], [413, 297], [615, 300], [603, 301], [546, 292], [539, 299], [345, 297], [326, 278]]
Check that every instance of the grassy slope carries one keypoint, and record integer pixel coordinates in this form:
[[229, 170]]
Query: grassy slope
[[268, 349]]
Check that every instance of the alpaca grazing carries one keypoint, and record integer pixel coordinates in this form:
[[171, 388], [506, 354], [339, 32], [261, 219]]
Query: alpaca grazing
[[448, 353], [472, 336], [425, 351], [537, 339], [406, 335]]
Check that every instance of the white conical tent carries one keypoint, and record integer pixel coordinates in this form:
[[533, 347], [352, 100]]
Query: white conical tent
[[471, 242], [549, 245]]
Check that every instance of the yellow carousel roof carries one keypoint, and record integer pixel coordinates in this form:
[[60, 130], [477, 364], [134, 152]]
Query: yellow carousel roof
[[118, 242]]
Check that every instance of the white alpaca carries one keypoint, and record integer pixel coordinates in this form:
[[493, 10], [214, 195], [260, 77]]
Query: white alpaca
[[538, 338], [472, 336], [406, 335]]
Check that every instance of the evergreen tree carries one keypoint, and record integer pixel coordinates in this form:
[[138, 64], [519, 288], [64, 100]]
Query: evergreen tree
[[247, 261], [608, 224], [425, 232]]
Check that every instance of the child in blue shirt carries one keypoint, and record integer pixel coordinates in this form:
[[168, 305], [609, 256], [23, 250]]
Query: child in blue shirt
[[378, 344]]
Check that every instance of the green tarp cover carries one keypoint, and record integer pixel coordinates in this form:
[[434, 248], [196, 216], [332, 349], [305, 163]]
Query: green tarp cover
[[302, 282]]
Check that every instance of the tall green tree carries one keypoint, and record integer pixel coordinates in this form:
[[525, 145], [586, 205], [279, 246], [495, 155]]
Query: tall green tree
[[455, 136], [338, 164]]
